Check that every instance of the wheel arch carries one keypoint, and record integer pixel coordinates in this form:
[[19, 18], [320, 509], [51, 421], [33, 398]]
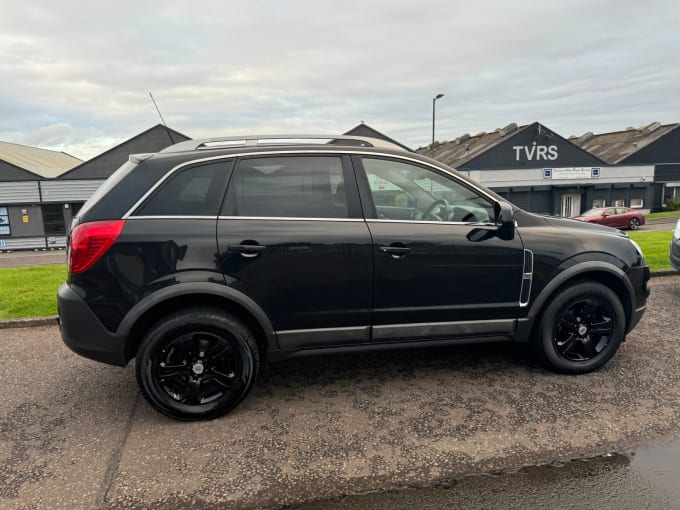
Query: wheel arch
[[171, 299], [601, 272]]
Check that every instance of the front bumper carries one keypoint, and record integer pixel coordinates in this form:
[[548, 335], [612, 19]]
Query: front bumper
[[639, 277], [83, 333]]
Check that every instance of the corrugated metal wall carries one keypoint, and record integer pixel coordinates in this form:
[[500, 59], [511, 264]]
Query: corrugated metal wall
[[67, 191], [19, 192]]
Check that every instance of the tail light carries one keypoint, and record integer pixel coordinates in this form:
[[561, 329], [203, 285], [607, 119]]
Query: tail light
[[89, 241]]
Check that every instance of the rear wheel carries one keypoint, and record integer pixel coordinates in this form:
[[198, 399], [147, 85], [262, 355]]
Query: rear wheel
[[197, 364], [634, 224], [580, 329]]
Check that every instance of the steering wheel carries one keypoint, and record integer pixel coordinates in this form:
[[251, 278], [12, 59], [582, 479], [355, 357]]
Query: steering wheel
[[428, 213]]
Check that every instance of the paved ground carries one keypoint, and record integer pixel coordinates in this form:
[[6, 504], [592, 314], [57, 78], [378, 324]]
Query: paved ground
[[74, 434], [646, 478], [32, 258]]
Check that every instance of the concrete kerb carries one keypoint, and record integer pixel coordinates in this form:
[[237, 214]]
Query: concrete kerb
[[30, 322]]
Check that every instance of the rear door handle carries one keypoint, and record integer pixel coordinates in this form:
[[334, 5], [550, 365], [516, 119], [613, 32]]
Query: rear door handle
[[396, 252], [247, 250]]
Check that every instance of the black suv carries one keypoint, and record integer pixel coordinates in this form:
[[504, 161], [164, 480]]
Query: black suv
[[212, 256]]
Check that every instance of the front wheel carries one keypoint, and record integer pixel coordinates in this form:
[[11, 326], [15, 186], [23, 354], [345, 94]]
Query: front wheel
[[634, 224], [580, 329], [197, 364]]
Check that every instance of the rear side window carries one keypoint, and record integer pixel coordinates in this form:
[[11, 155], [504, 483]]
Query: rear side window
[[288, 187], [194, 191]]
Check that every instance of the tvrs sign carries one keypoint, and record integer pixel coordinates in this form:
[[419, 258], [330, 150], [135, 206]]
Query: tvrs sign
[[535, 152]]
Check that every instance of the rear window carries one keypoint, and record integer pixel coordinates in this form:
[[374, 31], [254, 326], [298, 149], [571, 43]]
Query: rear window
[[288, 186], [107, 186], [193, 191]]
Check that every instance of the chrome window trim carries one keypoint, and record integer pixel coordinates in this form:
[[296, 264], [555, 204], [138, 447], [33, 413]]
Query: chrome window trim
[[293, 152], [469, 224], [288, 218], [172, 217]]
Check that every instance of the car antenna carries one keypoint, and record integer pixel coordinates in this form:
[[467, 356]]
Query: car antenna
[[162, 119]]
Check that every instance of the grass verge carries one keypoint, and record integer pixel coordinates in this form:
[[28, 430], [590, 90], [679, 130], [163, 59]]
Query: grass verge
[[30, 291], [655, 246], [664, 214]]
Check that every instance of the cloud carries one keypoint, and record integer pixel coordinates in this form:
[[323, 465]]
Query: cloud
[[76, 75]]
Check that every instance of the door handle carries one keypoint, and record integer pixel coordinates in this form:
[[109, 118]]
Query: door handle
[[247, 250], [396, 252]]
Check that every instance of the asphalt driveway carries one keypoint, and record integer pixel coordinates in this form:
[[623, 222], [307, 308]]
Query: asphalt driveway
[[75, 434]]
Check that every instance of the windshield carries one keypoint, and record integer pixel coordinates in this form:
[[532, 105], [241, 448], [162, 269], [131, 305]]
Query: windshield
[[593, 212]]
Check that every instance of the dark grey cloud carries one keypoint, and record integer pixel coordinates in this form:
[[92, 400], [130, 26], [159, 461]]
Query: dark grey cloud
[[76, 75]]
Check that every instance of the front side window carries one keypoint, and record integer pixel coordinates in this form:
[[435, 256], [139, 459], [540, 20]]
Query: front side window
[[193, 191], [4, 222], [288, 187], [403, 191]]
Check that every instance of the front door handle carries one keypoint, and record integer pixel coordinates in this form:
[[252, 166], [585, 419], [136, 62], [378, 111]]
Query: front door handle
[[395, 250], [247, 250]]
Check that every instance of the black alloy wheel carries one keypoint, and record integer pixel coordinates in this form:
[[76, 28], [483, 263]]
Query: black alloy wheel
[[197, 364], [583, 330], [580, 328], [634, 224]]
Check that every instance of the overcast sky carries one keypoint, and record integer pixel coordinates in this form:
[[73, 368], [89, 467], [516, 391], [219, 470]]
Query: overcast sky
[[75, 75]]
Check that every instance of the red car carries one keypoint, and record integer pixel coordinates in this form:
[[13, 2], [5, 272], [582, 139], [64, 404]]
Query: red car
[[618, 217]]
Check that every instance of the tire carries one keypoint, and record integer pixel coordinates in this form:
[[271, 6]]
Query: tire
[[580, 329], [197, 364], [634, 224]]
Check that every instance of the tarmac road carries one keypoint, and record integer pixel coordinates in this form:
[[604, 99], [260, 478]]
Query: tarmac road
[[75, 434]]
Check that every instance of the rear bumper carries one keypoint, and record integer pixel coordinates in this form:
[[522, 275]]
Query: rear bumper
[[82, 332]]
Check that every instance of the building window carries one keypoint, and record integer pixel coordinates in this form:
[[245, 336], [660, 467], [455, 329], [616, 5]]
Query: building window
[[619, 202], [4, 222], [599, 202], [53, 219], [636, 203]]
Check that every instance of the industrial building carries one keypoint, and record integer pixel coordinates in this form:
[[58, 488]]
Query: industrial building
[[41, 190], [544, 172]]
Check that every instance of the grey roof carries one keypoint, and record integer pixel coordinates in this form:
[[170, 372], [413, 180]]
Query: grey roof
[[103, 165], [43, 162], [459, 151], [366, 130], [616, 146]]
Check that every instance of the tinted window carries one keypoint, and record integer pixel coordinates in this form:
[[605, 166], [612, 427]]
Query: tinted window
[[194, 191], [403, 191], [288, 187]]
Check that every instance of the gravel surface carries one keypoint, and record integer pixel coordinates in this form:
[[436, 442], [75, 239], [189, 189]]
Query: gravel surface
[[75, 434]]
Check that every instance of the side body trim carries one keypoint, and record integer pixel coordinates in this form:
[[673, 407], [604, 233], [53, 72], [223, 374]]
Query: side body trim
[[443, 329], [302, 338]]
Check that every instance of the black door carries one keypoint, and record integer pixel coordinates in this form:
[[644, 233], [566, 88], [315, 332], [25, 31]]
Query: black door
[[440, 268], [291, 236]]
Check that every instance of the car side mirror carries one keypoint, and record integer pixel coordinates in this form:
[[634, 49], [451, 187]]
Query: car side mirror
[[505, 220]]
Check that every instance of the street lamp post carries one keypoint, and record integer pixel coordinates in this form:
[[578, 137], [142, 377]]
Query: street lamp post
[[433, 110]]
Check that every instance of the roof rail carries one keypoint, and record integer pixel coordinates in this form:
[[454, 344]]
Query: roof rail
[[227, 142]]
